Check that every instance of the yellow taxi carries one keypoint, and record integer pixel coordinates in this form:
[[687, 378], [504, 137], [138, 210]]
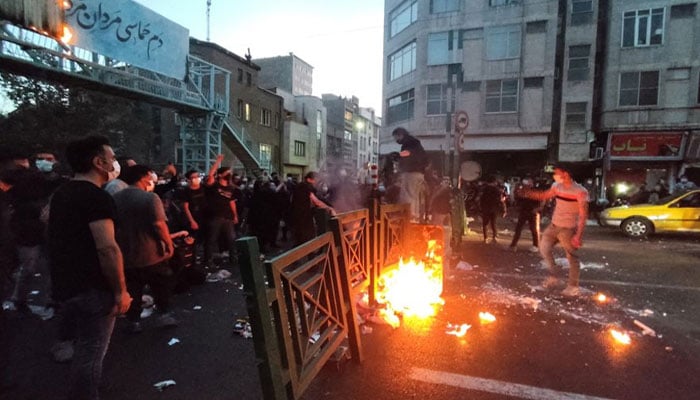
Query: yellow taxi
[[676, 213]]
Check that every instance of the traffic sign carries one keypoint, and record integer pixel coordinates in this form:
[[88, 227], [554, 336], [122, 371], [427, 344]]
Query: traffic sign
[[461, 120]]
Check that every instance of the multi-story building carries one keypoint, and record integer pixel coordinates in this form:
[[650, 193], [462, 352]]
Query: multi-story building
[[289, 73], [577, 81], [304, 134], [367, 125], [255, 112], [491, 60], [650, 111], [351, 132]]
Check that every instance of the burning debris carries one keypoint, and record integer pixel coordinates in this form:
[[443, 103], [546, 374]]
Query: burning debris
[[486, 318], [458, 330], [620, 337]]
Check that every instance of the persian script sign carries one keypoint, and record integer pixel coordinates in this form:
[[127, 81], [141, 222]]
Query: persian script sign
[[646, 145], [129, 32]]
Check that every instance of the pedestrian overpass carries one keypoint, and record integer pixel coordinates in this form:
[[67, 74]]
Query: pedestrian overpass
[[201, 99]]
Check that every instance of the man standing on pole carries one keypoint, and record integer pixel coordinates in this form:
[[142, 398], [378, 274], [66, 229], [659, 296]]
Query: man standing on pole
[[412, 163]]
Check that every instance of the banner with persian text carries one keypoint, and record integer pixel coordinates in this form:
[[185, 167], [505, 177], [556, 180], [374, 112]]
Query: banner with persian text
[[127, 31]]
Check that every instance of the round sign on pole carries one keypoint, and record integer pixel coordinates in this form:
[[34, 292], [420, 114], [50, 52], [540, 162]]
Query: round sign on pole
[[461, 120]]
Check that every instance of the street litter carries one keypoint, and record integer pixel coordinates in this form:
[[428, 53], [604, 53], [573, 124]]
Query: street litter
[[465, 266], [243, 328], [197, 307], [173, 341], [486, 318], [45, 313], [218, 276], [646, 312], [146, 301], [645, 329], [457, 329], [162, 385], [147, 312], [34, 292], [366, 330]]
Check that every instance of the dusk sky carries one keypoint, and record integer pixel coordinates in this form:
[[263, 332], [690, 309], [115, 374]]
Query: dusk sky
[[342, 40]]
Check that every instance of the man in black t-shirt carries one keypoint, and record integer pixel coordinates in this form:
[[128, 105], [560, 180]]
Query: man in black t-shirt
[[221, 213], [301, 211], [194, 204], [87, 269]]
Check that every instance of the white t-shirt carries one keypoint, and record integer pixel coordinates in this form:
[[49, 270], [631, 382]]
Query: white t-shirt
[[567, 206]]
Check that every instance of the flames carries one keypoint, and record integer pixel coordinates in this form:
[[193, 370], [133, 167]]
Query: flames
[[412, 289]]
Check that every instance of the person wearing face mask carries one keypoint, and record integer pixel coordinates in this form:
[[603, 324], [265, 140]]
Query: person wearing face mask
[[87, 270], [684, 184], [221, 212], [301, 211], [412, 163], [194, 204], [115, 184], [143, 236]]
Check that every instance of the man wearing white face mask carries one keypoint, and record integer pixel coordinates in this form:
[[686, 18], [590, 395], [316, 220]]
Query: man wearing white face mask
[[115, 184], [143, 236]]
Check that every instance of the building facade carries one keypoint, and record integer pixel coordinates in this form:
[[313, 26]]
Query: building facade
[[289, 73], [256, 112], [569, 81], [342, 141], [493, 61], [304, 134]]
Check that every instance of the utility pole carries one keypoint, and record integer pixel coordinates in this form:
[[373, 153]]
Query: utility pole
[[208, 14]]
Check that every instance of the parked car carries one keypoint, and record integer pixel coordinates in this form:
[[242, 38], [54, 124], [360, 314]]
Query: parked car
[[676, 213]]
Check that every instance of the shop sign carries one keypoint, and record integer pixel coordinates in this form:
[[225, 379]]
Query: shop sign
[[651, 146]]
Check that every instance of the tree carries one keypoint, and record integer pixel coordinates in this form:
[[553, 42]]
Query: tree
[[48, 116]]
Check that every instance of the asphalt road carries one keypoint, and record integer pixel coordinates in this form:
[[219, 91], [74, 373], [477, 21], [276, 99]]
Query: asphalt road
[[541, 346]]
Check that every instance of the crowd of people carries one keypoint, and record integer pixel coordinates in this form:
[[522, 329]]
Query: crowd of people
[[98, 232]]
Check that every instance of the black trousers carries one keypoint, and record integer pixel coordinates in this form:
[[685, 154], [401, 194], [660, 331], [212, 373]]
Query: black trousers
[[533, 221], [159, 277]]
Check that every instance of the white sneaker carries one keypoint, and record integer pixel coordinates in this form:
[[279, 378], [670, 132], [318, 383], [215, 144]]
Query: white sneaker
[[571, 291], [534, 249]]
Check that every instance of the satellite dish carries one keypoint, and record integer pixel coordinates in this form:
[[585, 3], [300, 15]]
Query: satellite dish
[[470, 171]]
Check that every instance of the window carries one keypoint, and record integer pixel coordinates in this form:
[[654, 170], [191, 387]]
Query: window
[[438, 48], [578, 62], [683, 11], [471, 86], [347, 135], [533, 83], [643, 27], [639, 88], [402, 16], [576, 115], [536, 27], [502, 96], [240, 75], [319, 124], [503, 42], [348, 115], [247, 112], [495, 3], [265, 117], [581, 12], [400, 107], [241, 109], [698, 90], [402, 62], [437, 99], [248, 78], [299, 149], [442, 6], [265, 154]]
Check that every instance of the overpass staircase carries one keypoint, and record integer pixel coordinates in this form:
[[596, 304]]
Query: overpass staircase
[[201, 99]]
